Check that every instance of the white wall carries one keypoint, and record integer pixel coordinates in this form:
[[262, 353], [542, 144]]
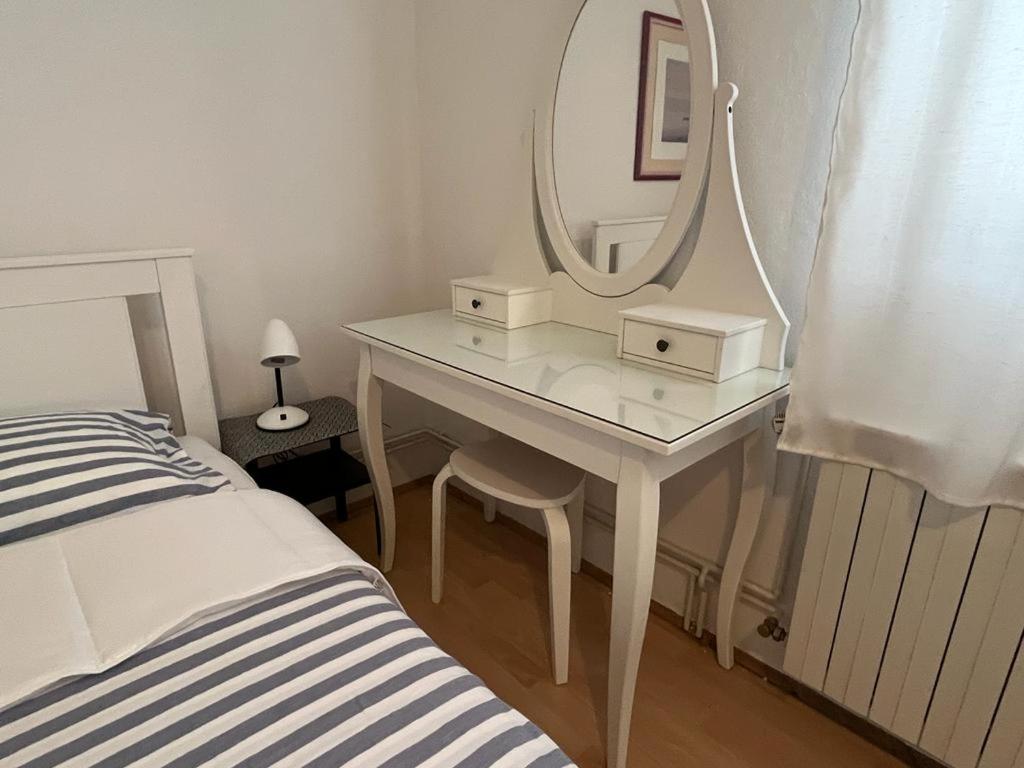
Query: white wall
[[483, 64], [595, 117], [278, 139]]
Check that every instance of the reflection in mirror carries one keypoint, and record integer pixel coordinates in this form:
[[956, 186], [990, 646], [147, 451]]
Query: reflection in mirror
[[621, 127]]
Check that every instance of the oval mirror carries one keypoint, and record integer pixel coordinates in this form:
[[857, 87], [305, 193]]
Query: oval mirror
[[630, 133]]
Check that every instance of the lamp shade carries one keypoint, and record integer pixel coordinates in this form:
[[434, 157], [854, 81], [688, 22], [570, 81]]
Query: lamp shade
[[279, 345]]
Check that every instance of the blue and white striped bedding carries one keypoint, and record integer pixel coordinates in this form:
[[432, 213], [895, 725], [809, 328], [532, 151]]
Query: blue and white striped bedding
[[62, 469], [323, 672], [330, 673]]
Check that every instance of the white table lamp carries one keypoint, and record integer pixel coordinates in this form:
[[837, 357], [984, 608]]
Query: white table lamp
[[280, 349]]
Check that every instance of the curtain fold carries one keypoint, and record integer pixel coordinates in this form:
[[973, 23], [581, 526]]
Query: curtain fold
[[912, 356]]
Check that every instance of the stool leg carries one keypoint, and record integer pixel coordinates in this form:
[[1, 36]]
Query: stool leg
[[559, 586], [490, 509], [437, 533], [574, 510]]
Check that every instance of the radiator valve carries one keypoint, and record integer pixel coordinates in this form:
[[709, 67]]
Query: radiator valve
[[771, 628]]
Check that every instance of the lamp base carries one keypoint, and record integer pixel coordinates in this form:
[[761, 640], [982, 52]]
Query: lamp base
[[282, 418]]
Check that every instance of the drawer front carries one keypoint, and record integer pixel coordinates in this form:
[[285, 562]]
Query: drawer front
[[488, 306], [687, 349]]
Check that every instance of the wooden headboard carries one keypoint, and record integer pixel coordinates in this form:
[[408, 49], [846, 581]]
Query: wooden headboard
[[67, 341]]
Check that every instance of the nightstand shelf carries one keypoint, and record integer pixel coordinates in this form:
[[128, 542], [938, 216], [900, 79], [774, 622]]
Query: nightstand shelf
[[275, 461], [313, 476]]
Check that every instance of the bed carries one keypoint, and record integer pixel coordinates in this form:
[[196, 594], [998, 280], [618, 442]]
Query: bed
[[158, 608]]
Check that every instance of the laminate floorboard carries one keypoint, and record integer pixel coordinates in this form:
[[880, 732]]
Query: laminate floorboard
[[493, 619]]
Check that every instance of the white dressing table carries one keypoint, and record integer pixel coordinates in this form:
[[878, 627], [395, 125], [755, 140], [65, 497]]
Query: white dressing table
[[573, 398], [559, 386]]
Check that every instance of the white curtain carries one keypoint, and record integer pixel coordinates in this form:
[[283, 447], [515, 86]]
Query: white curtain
[[912, 357]]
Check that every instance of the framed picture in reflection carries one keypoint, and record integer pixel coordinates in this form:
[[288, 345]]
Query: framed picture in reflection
[[663, 112]]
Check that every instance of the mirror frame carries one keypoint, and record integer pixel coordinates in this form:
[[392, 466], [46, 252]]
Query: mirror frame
[[703, 83]]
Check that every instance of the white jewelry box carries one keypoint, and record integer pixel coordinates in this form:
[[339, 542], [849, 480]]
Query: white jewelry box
[[698, 342], [500, 302]]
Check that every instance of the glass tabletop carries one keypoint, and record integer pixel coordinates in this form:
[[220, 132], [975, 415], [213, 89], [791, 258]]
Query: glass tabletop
[[576, 368]]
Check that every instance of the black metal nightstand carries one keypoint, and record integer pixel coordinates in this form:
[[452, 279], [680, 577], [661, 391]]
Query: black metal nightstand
[[305, 477]]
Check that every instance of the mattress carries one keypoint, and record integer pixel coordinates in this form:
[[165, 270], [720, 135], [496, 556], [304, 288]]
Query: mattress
[[230, 629]]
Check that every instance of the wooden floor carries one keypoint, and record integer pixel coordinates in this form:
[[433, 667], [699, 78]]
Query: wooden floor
[[493, 619]]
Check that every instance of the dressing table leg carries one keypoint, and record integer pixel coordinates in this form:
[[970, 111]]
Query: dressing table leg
[[748, 519], [371, 438], [636, 543]]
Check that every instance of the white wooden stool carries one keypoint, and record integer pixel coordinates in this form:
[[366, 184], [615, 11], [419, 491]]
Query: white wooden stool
[[508, 470]]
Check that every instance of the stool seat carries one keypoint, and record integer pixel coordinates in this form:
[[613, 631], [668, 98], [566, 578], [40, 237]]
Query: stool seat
[[516, 473]]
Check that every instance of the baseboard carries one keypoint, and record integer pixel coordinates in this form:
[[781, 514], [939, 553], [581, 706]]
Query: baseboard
[[836, 712], [366, 503]]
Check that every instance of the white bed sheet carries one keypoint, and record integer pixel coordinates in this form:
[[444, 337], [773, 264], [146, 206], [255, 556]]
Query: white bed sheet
[[91, 595], [200, 450]]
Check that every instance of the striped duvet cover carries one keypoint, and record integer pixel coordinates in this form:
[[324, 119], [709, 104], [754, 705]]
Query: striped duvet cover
[[330, 673]]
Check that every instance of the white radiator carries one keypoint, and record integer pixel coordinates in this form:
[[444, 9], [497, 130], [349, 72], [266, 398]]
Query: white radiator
[[910, 613]]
